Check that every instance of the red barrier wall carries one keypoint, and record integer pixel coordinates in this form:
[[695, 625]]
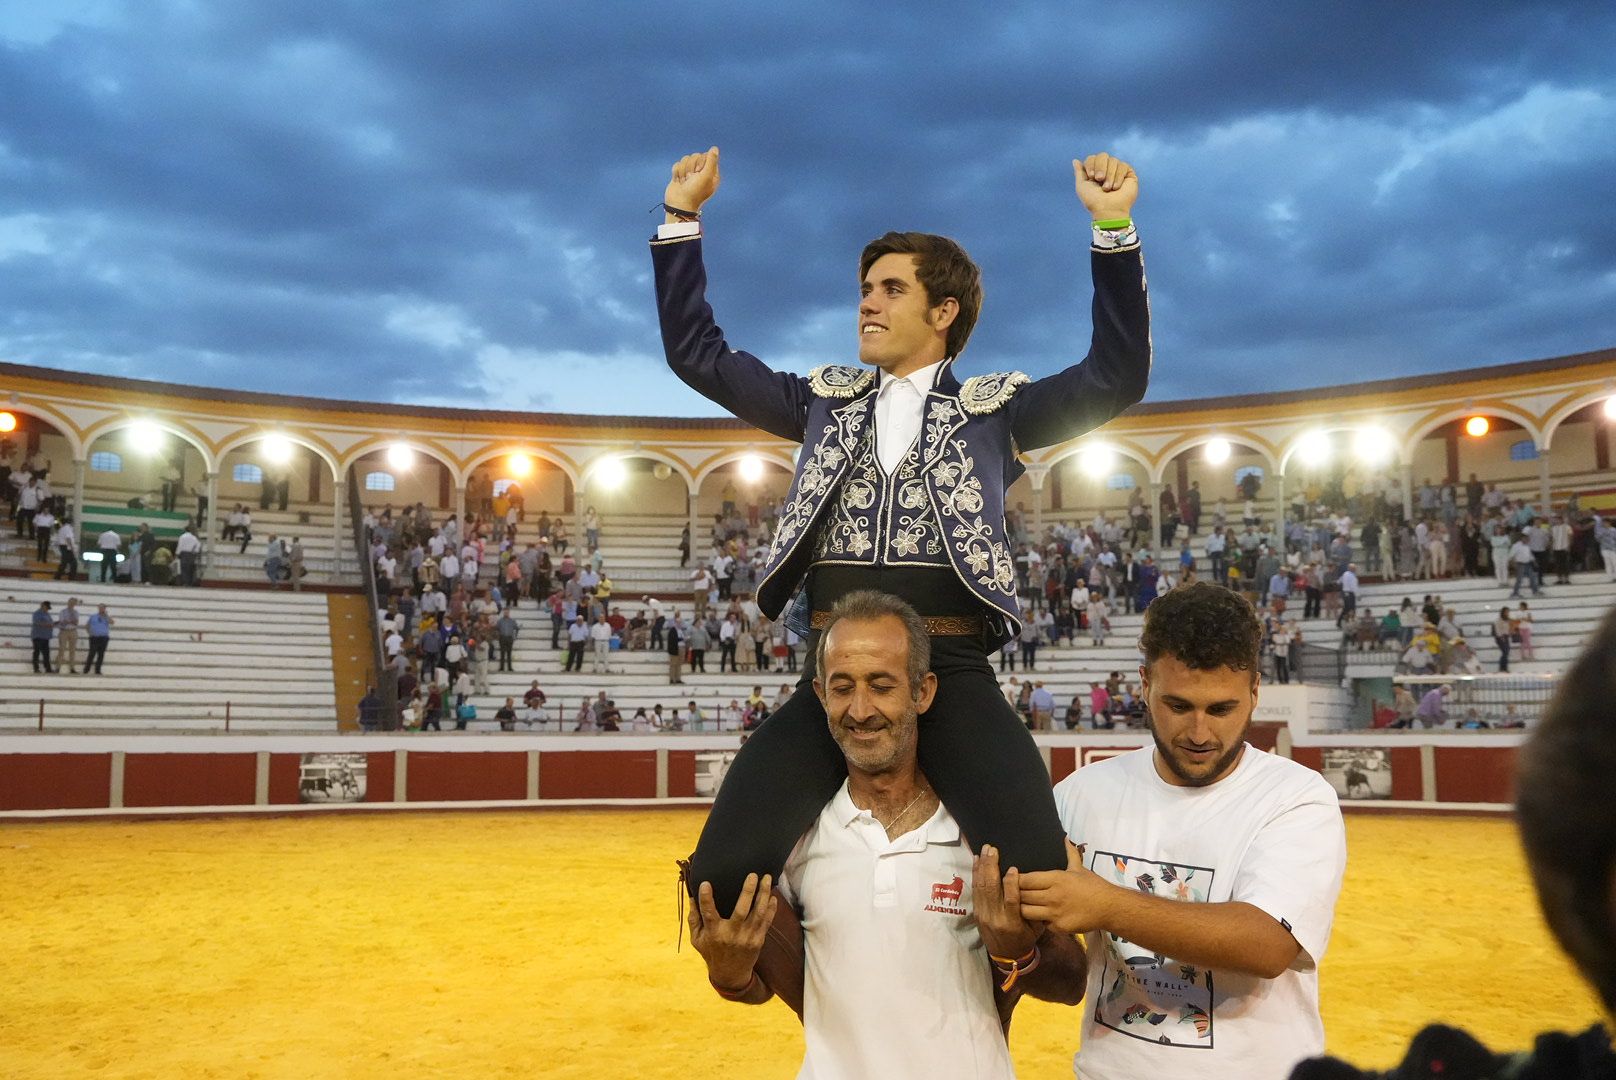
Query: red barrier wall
[[592, 774], [55, 781], [681, 774], [1473, 774], [449, 777], [189, 779]]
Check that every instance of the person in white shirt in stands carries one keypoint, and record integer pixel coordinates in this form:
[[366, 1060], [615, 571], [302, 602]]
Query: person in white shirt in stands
[[108, 544], [896, 977], [188, 548], [67, 546], [1205, 871]]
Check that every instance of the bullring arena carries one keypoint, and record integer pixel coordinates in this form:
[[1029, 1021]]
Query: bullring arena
[[209, 869]]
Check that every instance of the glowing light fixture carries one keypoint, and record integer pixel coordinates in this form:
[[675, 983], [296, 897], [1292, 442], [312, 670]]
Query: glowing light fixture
[[611, 473], [1610, 408], [519, 465], [1217, 451], [400, 456], [1096, 461], [751, 468], [145, 437], [277, 448], [1372, 445], [1314, 449], [1477, 426], [8, 421]]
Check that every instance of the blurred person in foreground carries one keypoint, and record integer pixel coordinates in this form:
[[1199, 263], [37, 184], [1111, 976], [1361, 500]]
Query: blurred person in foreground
[[1568, 830], [1204, 871], [899, 968]]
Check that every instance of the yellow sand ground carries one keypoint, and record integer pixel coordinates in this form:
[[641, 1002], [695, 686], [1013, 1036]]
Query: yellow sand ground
[[484, 945]]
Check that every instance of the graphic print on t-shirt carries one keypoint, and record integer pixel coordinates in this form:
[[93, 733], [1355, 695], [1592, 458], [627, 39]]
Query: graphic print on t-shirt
[[1144, 994]]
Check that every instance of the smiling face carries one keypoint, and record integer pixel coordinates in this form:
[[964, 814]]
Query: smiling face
[[864, 685], [899, 331], [1198, 718]]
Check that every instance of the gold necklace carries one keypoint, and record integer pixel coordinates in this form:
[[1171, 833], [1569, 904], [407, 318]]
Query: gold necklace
[[887, 825]]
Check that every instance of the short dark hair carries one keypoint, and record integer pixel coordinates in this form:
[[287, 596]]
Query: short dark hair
[[868, 605], [943, 269], [1204, 626], [1566, 816]]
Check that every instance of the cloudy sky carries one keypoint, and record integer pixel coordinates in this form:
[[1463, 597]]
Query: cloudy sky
[[446, 203]]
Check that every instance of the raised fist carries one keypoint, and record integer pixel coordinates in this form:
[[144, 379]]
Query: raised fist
[[695, 178], [1107, 186]]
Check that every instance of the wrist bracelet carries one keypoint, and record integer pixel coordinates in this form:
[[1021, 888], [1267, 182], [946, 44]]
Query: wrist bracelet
[[1114, 223], [683, 215], [734, 995], [1014, 969]]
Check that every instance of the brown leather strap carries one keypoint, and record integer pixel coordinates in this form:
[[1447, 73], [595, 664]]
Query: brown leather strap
[[936, 625]]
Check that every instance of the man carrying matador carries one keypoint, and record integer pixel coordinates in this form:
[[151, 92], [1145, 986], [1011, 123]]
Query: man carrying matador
[[900, 487]]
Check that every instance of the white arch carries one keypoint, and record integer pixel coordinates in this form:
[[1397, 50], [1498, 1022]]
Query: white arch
[[587, 468], [567, 468], [380, 445], [1174, 451], [774, 456], [1399, 453], [113, 425], [235, 442], [1133, 454], [1567, 411], [76, 445], [1504, 412]]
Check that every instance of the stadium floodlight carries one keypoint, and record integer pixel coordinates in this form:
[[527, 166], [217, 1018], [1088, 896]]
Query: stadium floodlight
[[519, 465], [611, 473], [1372, 445], [400, 455], [1096, 461], [751, 468], [1610, 408], [277, 448], [8, 421], [1314, 448], [1217, 451], [145, 436], [1477, 426]]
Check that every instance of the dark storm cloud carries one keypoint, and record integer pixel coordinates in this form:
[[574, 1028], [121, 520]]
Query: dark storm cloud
[[447, 203]]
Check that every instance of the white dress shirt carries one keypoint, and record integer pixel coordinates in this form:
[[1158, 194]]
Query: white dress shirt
[[899, 404]]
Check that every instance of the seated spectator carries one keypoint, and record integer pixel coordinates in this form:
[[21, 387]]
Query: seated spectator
[[533, 701], [1418, 659], [506, 715], [1366, 631]]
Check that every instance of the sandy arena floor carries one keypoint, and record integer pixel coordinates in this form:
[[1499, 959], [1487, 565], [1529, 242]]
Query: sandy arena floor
[[519, 944]]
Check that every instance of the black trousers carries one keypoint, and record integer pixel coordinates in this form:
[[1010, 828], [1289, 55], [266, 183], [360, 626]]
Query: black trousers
[[42, 656], [97, 654], [976, 753]]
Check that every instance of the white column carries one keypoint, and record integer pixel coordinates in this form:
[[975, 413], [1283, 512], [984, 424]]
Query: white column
[[1408, 491], [1545, 493], [460, 505], [78, 498], [695, 537], [1279, 516], [204, 527], [1037, 474], [1153, 507], [339, 523]]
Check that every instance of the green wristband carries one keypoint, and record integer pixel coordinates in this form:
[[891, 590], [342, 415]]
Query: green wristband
[[1115, 223]]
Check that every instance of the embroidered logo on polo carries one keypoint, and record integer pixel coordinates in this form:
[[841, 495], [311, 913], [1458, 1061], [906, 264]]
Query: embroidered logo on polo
[[945, 897], [1144, 994]]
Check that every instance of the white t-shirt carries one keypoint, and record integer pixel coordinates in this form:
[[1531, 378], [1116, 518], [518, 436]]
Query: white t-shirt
[[1269, 834], [897, 981]]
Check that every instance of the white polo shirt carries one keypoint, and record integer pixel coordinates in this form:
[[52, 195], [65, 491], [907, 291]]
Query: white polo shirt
[[897, 980], [1269, 834]]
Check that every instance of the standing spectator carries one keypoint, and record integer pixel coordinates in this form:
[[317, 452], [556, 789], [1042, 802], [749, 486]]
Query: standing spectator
[[700, 583], [600, 639], [1043, 707], [674, 630], [591, 529], [40, 634], [727, 646], [454, 659], [100, 627], [684, 547], [275, 562], [1523, 629], [1605, 537], [1349, 595], [1560, 548], [507, 628], [1099, 613], [464, 710], [1281, 643], [108, 544], [1524, 561], [577, 637], [188, 548], [67, 546], [700, 641], [481, 653], [1502, 629], [67, 637], [243, 528], [295, 566]]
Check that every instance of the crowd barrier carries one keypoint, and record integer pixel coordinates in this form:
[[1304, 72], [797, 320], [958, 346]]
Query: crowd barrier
[[133, 775]]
